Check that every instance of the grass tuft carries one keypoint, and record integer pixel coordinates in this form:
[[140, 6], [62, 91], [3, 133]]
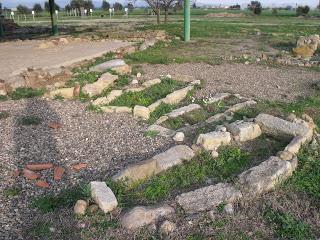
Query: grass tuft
[[151, 133], [22, 92], [161, 110], [29, 120], [4, 114]]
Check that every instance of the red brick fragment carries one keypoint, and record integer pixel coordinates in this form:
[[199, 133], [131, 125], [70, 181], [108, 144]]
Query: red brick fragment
[[42, 184], [39, 166], [28, 174], [55, 125], [79, 166], [57, 173]]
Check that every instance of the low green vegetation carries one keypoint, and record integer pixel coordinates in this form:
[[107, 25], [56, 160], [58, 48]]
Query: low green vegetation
[[151, 133], [174, 123], [147, 96], [94, 108], [231, 161], [22, 92], [83, 78], [195, 116], [29, 120], [65, 198], [161, 110], [11, 192], [40, 230], [4, 114], [285, 226], [3, 98]]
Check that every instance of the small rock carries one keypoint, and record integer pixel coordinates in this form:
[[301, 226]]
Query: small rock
[[169, 76], [152, 82], [103, 196], [139, 75], [39, 167], [93, 208], [228, 209], [79, 166], [28, 174], [291, 117], [134, 81], [141, 112], [214, 154], [179, 137], [57, 173], [42, 184], [221, 128], [80, 207], [167, 227]]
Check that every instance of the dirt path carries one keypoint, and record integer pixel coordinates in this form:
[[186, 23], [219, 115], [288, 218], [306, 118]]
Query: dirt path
[[18, 56], [285, 84]]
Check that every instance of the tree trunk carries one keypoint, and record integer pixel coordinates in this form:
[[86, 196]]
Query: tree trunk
[[166, 12], [158, 15]]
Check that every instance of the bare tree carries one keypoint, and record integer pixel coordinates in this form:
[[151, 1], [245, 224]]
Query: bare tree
[[155, 5], [167, 4]]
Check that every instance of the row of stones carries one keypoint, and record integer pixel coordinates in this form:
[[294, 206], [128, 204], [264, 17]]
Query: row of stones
[[259, 179]]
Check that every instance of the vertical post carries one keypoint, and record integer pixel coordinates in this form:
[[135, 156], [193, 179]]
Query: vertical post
[[186, 20], [1, 26], [53, 19]]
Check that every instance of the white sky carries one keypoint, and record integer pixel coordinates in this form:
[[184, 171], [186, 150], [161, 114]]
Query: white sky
[[313, 3]]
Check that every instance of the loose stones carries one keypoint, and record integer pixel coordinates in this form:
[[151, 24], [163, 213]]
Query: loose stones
[[213, 140], [80, 207], [103, 196], [207, 198]]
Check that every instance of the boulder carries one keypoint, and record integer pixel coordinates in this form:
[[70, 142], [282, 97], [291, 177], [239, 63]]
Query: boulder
[[303, 52], [213, 140], [165, 132], [207, 198], [96, 88], [66, 93], [151, 82], [108, 99], [141, 112], [177, 96], [295, 144], [107, 65], [265, 176], [281, 128], [103, 196], [183, 110], [311, 43], [142, 216], [80, 207], [245, 131]]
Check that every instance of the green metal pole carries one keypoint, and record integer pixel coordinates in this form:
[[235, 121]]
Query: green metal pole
[[1, 26], [53, 19], [186, 20]]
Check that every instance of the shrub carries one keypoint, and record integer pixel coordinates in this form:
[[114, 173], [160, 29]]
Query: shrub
[[255, 7], [303, 10]]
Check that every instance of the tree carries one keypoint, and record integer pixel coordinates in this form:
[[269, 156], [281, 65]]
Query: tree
[[37, 7], [302, 10], [166, 5], [255, 7], [67, 7], [47, 6], [23, 9], [178, 5], [78, 4], [105, 5], [155, 5], [117, 6], [130, 7]]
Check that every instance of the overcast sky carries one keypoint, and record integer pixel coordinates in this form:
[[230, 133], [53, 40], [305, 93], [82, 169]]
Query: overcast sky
[[313, 3]]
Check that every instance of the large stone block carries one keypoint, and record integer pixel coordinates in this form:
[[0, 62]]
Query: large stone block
[[66, 93], [108, 65], [207, 198], [183, 110], [141, 112], [103, 196], [245, 131], [108, 99], [106, 80], [165, 132], [151, 82], [177, 96], [213, 140]]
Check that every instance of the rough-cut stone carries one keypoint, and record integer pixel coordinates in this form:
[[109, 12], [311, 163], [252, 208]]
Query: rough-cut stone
[[295, 144], [137, 89], [177, 96], [143, 216], [183, 110], [245, 131], [207, 198], [103, 196], [123, 110], [107, 65], [216, 118], [39, 166], [307, 45], [108, 109], [96, 88], [125, 69], [149, 42], [174, 156], [80, 207], [213, 140], [265, 176], [240, 106], [162, 119], [3, 89], [179, 137], [66, 93], [151, 82], [141, 112], [164, 132], [285, 155], [156, 164], [108, 99], [281, 128], [154, 105], [218, 97], [167, 227]]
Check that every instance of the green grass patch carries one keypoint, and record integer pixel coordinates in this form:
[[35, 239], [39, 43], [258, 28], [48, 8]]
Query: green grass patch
[[94, 108], [3, 98], [174, 123], [40, 230], [22, 92], [122, 81], [230, 162], [285, 226], [151, 133], [147, 96], [11, 192], [195, 116], [161, 110], [65, 198], [29, 120], [4, 114], [83, 78]]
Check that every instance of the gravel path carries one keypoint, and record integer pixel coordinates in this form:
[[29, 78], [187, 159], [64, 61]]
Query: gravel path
[[262, 82], [106, 142]]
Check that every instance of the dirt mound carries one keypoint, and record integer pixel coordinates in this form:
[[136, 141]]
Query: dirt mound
[[229, 15], [9, 25]]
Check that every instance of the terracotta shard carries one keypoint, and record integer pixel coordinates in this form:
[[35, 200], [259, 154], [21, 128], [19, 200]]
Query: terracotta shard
[[42, 184], [30, 174], [79, 166], [57, 173], [39, 166], [55, 125]]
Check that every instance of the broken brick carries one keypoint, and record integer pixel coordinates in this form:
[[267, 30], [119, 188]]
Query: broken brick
[[57, 173], [30, 174], [42, 184], [39, 167], [79, 166], [55, 125]]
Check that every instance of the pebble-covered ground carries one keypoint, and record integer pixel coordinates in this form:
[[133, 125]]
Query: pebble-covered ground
[[256, 81], [105, 142]]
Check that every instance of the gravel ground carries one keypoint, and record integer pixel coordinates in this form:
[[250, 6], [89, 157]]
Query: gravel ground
[[106, 142], [255, 81]]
